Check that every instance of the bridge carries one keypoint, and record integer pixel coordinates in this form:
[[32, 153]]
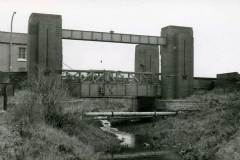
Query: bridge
[[45, 34], [100, 83], [112, 37]]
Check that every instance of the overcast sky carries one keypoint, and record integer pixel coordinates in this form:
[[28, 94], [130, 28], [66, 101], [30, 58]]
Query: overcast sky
[[216, 26]]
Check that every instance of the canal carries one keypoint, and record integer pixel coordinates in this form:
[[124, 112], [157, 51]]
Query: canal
[[134, 146]]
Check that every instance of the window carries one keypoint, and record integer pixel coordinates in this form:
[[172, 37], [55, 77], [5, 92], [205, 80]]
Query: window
[[22, 53]]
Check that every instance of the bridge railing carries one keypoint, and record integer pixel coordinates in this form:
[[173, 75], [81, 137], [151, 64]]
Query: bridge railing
[[109, 76]]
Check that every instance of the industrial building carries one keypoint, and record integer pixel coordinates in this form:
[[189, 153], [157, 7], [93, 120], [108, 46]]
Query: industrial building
[[13, 54]]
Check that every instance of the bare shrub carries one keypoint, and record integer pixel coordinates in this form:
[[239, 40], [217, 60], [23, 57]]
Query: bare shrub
[[40, 102], [27, 107], [49, 91]]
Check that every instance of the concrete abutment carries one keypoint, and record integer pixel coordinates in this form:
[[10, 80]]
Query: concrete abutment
[[177, 62], [44, 45]]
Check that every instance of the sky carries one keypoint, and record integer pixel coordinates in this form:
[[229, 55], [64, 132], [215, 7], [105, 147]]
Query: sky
[[216, 26]]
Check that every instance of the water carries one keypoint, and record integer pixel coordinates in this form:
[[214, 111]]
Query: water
[[127, 140], [131, 143]]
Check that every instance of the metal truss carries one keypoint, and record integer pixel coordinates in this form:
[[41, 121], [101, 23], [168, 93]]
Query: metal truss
[[108, 76]]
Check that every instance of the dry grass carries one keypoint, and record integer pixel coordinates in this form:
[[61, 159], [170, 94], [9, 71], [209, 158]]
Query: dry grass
[[197, 135], [45, 142], [38, 128], [42, 143], [230, 150], [89, 132]]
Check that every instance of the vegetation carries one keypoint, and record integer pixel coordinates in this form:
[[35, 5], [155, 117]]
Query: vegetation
[[40, 129], [201, 134]]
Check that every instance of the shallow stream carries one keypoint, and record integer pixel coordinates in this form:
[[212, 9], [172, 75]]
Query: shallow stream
[[131, 143]]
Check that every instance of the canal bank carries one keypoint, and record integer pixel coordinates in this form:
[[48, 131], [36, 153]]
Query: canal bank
[[197, 134]]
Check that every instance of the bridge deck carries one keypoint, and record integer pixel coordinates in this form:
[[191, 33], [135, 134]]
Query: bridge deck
[[100, 83], [112, 37]]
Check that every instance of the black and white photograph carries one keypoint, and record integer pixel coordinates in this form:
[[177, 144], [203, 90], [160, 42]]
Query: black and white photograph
[[119, 80]]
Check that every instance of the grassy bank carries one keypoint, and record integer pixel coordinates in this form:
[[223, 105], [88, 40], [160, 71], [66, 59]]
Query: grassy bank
[[21, 140], [196, 135], [37, 127]]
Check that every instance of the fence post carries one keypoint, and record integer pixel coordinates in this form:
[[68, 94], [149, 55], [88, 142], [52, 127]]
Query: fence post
[[4, 97]]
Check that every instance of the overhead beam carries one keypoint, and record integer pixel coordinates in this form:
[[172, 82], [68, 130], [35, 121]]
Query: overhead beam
[[112, 37]]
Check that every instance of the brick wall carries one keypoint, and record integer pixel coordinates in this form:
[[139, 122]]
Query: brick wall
[[19, 40]]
